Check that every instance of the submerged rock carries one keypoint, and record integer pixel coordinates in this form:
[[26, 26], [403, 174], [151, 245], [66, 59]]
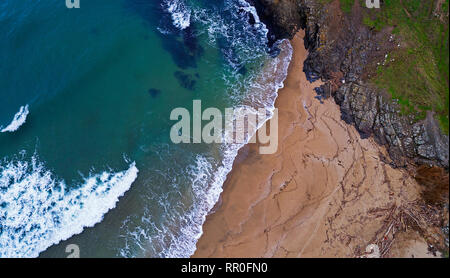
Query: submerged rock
[[185, 80], [154, 92]]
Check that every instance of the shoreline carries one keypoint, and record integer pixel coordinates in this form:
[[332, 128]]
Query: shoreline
[[322, 194]]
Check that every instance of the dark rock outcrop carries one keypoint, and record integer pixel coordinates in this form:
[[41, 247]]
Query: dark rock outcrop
[[282, 17], [341, 53], [372, 113]]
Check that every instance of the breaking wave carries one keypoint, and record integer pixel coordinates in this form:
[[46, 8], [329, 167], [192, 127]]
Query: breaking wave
[[180, 13], [18, 120], [37, 210]]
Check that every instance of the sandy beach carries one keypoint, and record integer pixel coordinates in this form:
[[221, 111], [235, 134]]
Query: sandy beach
[[325, 193]]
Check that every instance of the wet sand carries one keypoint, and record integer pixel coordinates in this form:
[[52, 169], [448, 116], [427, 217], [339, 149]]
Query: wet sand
[[325, 193]]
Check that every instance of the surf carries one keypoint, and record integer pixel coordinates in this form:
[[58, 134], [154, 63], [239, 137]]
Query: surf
[[38, 210], [18, 120]]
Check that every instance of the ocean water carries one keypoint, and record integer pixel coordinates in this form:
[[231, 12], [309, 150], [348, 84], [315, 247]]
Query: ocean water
[[85, 100]]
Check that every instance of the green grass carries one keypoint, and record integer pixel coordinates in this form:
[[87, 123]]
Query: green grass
[[418, 75]]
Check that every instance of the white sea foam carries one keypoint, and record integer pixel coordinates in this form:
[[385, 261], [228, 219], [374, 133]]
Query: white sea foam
[[18, 120], [250, 9], [180, 13], [37, 210], [218, 27]]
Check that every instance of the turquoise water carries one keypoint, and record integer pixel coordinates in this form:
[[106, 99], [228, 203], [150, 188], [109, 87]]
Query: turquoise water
[[91, 163]]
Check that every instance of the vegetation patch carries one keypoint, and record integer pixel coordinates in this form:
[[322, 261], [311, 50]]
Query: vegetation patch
[[416, 73]]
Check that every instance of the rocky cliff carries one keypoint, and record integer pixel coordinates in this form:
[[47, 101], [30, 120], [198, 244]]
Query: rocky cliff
[[343, 52]]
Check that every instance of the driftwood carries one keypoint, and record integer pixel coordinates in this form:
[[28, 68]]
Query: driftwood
[[425, 219]]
